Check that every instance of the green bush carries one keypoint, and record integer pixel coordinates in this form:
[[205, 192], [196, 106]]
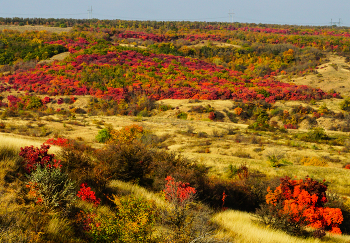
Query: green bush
[[52, 187], [133, 221], [317, 134], [34, 102], [103, 135], [163, 107], [144, 113], [345, 104], [182, 115]]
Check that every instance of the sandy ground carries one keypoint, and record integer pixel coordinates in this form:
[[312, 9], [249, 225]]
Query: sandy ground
[[35, 28], [58, 57], [332, 75]]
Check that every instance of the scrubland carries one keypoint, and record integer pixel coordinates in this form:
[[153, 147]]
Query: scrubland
[[184, 132]]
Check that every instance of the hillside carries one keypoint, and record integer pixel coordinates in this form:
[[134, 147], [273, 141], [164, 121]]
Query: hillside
[[172, 132]]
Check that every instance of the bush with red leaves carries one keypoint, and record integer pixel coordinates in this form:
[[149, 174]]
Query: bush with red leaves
[[38, 156], [60, 101], [87, 195], [178, 192], [62, 142], [296, 204]]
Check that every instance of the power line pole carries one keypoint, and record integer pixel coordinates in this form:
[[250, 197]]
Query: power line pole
[[90, 13], [231, 14], [340, 22]]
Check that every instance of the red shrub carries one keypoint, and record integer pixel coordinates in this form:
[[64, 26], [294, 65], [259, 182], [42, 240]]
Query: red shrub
[[178, 192], [212, 115], [62, 142], [38, 156], [87, 195], [317, 115], [60, 101], [46, 100], [290, 126], [72, 99], [302, 202]]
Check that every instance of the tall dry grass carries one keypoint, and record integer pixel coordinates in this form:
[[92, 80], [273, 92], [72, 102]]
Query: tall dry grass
[[16, 142], [245, 230], [139, 191]]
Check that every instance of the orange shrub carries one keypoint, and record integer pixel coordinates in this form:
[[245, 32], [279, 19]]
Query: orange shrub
[[127, 134], [238, 110], [302, 202]]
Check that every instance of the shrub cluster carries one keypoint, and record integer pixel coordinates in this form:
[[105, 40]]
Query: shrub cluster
[[296, 204]]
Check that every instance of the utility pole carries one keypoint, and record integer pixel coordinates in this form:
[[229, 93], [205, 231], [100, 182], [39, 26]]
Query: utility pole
[[340, 22], [90, 13], [231, 14]]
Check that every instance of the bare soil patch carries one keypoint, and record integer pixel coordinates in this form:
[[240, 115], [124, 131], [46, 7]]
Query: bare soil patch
[[334, 74], [35, 28], [58, 57], [215, 43]]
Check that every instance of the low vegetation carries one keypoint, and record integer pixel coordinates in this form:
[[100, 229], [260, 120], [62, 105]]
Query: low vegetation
[[152, 132]]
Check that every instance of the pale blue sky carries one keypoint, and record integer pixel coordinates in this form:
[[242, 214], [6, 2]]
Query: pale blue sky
[[302, 12]]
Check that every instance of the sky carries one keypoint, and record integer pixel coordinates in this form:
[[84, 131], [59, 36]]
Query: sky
[[298, 12]]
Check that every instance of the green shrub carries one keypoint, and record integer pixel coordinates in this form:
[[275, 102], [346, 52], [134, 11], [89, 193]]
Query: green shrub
[[144, 113], [163, 107], [182, 115], [276, 112], [51, 187], [34, 102], [232, 171], [317, 134], [345, 104], [275, 158], [103, 135], [133, 221]]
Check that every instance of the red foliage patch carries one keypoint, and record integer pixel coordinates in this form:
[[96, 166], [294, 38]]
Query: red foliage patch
[[87, 195], [62, 142], [178, 192], [38, 156], [303, 201]]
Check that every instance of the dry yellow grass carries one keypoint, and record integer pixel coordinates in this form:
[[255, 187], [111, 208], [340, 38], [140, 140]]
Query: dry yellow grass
[[331, 75], [16, 142], [139, 191], [240, 225], [34, 28]]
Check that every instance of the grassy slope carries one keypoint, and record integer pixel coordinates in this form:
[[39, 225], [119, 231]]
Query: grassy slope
[[223, 152]]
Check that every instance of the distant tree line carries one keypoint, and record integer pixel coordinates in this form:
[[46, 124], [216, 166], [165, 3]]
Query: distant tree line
[[166, 25]]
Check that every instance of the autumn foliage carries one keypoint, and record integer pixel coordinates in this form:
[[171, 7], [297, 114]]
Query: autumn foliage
[[127, 134], [178, 192], [38, 156], [303, 203], [86, 194], [62, 142]]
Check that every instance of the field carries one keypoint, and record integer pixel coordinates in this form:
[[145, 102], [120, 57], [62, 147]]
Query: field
[[135, 113]]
